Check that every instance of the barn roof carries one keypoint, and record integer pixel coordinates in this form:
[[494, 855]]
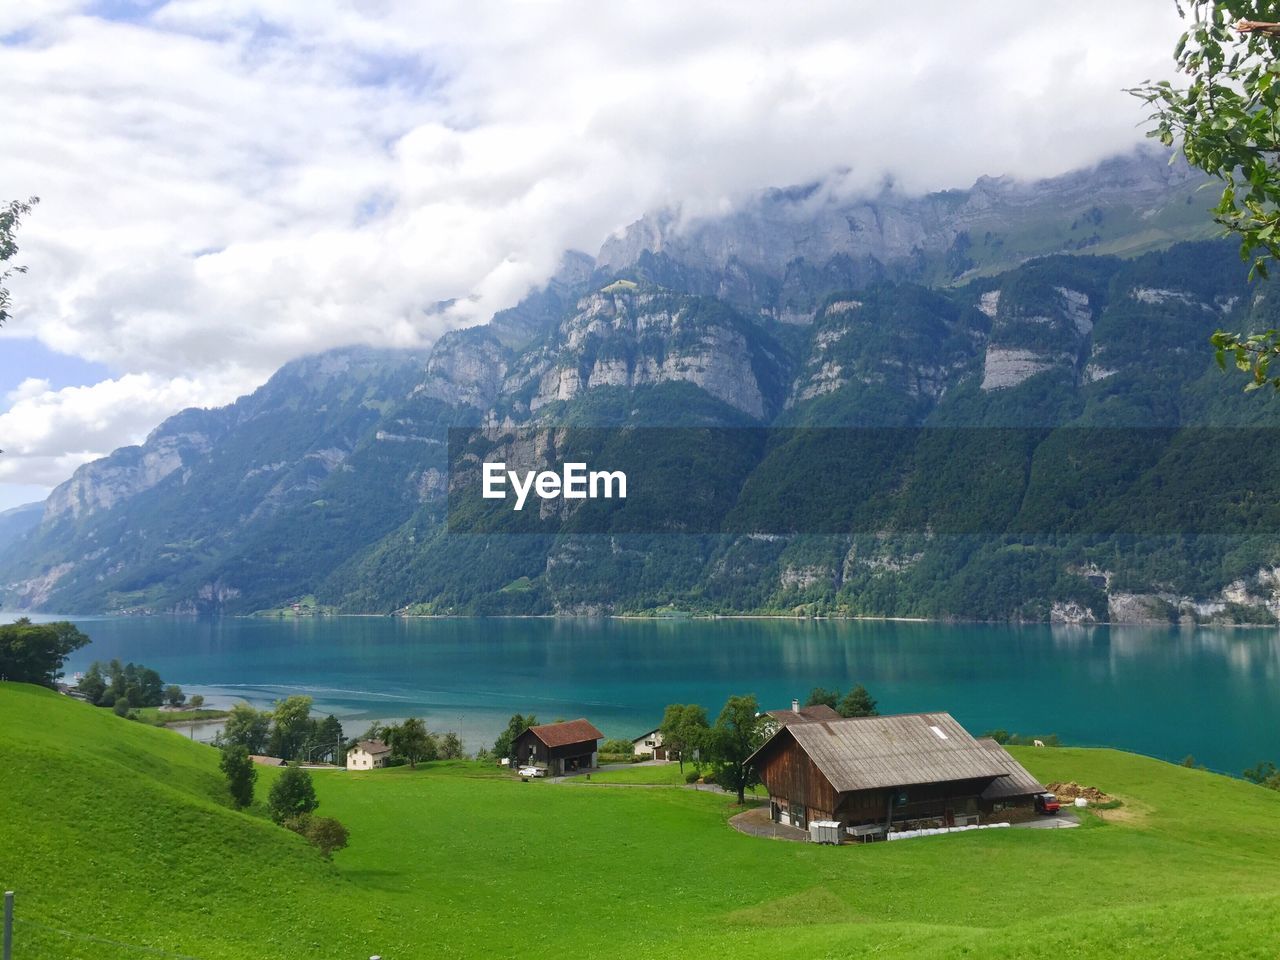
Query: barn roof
[[1016, 782], [865, 753], [812, 714], [571, 731]]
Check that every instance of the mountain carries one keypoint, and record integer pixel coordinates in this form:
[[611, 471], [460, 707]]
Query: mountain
[[327, 488]]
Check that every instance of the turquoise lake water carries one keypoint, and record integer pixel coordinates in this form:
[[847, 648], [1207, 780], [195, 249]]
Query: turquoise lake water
[[1164, 692]]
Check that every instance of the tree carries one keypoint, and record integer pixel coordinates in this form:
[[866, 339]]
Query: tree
[[1264, 774], [412, 741], [326, 833], [122, 707], [1227, 122], [738, 733], [684, 729], [196, 702], [91, 685], [173, 695], [247, 727], [325, 737], [292, 794], [10, 218], [820, 696], [291, 726], [451, 747], [35, 652], [241, 774], [858, 703], [505, 745]]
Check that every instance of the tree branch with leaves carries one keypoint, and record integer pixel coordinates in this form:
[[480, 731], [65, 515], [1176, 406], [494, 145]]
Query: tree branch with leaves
[[10, 219], [1226, 121]]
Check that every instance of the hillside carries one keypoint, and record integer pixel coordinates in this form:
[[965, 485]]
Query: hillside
[[115, 835], [328, 487]]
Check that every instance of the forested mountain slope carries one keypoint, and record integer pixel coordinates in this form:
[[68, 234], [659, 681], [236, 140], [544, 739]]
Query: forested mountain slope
[[328, 485]]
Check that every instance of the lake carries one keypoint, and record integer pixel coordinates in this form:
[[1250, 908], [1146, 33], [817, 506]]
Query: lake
[[1167, 692]]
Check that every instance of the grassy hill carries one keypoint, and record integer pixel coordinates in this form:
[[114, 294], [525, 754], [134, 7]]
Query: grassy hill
[[116, 833]]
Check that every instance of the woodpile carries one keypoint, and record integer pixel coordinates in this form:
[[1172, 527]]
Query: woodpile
[[1069, 790]]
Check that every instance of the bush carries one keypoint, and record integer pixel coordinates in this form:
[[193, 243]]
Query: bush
[[325, 833], [692, 776], [603, 757], [121, 707], [616, 746], [240, 773]]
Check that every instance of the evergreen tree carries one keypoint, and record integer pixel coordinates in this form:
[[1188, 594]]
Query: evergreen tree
[[858, 703]]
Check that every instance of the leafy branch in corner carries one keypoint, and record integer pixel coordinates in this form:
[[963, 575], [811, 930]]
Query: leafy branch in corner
[[10, 218], [1252, 353], [1227, 122]]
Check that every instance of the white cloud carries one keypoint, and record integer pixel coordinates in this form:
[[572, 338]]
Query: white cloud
[[48, 433], [228, 185]]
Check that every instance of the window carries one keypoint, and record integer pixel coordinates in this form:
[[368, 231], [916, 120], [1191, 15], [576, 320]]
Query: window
[[937, 732]]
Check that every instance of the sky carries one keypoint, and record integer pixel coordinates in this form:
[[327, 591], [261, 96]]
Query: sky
[[225, 186]]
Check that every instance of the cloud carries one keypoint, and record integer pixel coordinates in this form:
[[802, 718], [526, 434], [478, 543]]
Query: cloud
[[228, 185], [48, 433]]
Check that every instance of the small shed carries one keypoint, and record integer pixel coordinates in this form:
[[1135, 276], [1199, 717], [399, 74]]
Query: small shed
[[367, 754], [560, 747]]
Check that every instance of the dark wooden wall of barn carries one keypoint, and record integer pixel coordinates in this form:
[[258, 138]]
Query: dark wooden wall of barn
[[787, 772]]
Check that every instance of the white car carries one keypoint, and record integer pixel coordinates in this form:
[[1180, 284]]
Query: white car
[[532, 772]]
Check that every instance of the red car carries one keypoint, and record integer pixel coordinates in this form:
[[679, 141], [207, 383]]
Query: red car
[[1047, 803]]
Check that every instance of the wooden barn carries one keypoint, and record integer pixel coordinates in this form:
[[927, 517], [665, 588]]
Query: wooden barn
[[871, 773], [560, 747]]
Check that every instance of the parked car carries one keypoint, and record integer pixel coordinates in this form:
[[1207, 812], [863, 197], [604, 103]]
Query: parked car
[[539, 772], [1047, 803]]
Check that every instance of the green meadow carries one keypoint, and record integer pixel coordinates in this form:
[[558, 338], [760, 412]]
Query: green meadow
[[116, 837]]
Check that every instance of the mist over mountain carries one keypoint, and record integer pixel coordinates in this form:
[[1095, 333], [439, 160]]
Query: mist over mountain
[[1086, 299]]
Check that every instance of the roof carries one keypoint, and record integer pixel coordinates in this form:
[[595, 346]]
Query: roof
[[647, 733], [571, 731], [1016, 782], [819, 711], [866, 753], [373, 746], [266, 761]]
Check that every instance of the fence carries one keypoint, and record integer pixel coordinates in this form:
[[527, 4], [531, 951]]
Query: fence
[[43, 933]]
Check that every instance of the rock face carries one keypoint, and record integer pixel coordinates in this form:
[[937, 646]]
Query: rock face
[[801, 309], [628, 338], [131, 470]]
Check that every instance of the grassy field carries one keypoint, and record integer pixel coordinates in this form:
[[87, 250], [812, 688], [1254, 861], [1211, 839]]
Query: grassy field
[[117, 831]]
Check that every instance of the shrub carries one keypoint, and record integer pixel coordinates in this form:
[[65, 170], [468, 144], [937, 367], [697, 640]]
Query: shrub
[[325, 833], [121, 707], [240, 773], [692, 776], [616, 746]]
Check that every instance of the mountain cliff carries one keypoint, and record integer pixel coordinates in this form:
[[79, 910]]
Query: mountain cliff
[[995, 306]]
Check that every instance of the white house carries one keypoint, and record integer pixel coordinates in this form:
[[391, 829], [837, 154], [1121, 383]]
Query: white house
[[368, 754], [650, 742]]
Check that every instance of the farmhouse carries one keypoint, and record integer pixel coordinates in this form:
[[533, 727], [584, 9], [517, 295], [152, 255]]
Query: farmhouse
[[799, 714], [367, 754], [871, 774], [560, 747], [650, 743]]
